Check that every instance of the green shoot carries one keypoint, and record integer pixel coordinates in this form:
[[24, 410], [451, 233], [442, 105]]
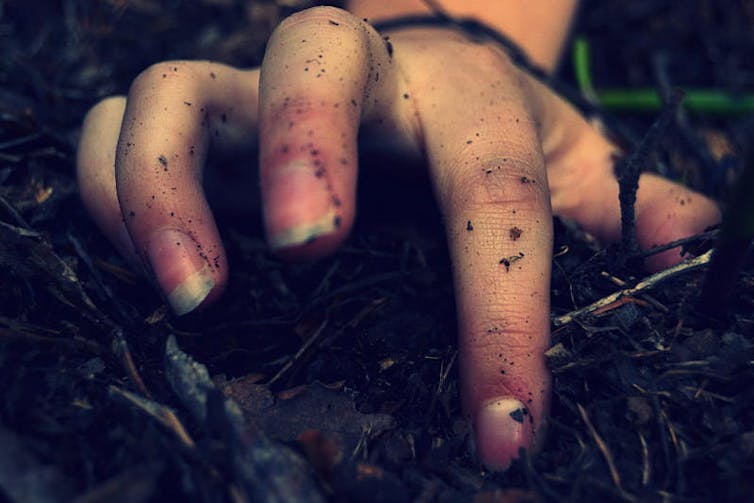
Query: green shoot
[[708, 101]]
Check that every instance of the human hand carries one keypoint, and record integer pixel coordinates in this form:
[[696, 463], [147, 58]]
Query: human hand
[[504, 153]]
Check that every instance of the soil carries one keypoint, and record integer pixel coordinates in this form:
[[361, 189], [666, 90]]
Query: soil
[[343, 374]]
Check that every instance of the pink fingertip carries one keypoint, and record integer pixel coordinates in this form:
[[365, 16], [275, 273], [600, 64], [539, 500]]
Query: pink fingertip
[[184, 277], [503, 426]]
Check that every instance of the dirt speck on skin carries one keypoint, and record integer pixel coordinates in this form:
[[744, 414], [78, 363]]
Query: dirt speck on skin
[[514, 233], [519, 414], [508, 261], [388, 46]]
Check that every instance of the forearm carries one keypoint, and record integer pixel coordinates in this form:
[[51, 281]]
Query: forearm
[[540, 27]]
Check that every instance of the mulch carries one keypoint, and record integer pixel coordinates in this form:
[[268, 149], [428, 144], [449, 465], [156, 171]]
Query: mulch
[[339, 380]]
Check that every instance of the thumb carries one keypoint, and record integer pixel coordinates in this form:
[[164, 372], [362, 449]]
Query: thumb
[[583, 186]]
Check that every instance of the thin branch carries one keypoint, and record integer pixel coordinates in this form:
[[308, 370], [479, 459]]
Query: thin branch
[[683, 242], [602, 446], [120, 349], [160, 412], [646, 284], [312, 341], [13, 212], [630, 168]]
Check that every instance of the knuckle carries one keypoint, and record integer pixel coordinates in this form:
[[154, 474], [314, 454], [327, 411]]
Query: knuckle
[[513, 326], [505, 353], [95, 146], [512, 341], [106, 110], [500, 182], [163, 75], [466, 50], [487, 57], [293, 109], [321, 15], [105, 107], [475, 59]]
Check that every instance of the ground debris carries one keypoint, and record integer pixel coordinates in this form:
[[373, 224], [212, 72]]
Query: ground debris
[[23, 477], [313, 406], [28, 256], [267, 472]]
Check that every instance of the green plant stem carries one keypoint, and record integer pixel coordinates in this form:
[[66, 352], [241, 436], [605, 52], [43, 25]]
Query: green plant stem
[[697, 100], [707, 101], [582, 67]]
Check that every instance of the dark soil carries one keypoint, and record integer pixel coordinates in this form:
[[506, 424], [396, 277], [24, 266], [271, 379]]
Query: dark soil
[[346, 370]]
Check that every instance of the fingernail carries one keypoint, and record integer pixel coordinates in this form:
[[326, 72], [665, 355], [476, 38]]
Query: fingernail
[[503, 426], [298, 206], [182, 273], [305, 233]]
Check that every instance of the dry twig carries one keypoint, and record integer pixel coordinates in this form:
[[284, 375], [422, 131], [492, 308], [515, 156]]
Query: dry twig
[[646, 284], [602, 446], [157, 411]]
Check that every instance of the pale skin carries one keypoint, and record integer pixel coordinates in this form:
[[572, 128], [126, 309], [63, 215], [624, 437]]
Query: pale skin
[[503, 154]]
